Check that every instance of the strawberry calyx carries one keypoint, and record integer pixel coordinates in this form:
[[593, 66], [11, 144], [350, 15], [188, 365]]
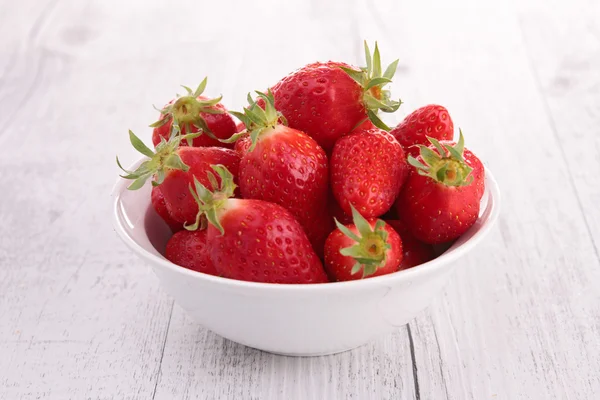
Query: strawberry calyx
[[370, 250], [163, 158], [447, 165], [186, 110], [210, 203], [256, 119], [373, 80]]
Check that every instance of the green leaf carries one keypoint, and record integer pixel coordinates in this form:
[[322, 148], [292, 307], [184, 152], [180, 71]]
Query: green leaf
[[377, 82], [139, 145], [377, 121], [347, 231], [460, 146], [390, 71], [438, 146], [376, 62], [358, 76], [187, 89], [175, 162], [160, 177], [201, 87], [368, 57], [429, 156], [360, 222], [160, 122], [212, 179], [138, 183], [211, 216], [416, 163], [355, 268]]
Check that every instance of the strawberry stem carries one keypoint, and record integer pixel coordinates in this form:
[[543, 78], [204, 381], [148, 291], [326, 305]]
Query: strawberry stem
[[186, 110], [371, 79], [209, 203], [445, 165], [256, 119], [163, 158], [370, 250]]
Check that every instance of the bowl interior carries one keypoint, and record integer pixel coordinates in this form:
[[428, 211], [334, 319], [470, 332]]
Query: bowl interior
[[147, 234]]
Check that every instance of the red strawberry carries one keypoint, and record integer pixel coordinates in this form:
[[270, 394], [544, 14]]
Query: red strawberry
[[242, 145], [240, 126], [174, 168], [336, 211], [327, 100], [440, 200], [367, 170], [367, 125], [158, 202], [284, 166], [189, 249], [368, 245], [195, 113], [254, 240], [414, 251], [432, 120]]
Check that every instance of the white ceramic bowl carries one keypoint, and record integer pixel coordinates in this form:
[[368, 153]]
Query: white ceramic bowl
[[300, 320]]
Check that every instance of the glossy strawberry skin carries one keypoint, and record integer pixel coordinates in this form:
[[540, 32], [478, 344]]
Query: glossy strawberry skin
[[321, 100], [242, 145], [263, 242], [432, 120], [367, 170], [339, 267], [176, 187], [221, 125], [289, 168], [414, 251], [435, 213], [189, 250], [159, 205]]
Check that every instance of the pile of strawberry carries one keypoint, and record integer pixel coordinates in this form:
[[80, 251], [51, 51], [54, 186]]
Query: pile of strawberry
[[310, 186]]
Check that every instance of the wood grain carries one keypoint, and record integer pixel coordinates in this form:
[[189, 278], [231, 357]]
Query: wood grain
[[81, 317]]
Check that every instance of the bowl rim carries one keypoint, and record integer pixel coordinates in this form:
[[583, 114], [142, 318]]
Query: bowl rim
[[489, 215]]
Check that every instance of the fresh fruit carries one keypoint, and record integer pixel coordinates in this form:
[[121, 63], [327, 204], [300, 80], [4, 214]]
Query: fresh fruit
[[432, 120], [159, 205], [189, 249], [254, 240], [195, 114], [364, 249], [242, 145], [440, 199], [335, 211], [368, 169], [414, 251], [327, 100], [284, 166], [174, 168]]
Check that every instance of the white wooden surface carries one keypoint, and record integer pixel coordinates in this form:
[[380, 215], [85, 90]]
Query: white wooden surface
[[82, 318]]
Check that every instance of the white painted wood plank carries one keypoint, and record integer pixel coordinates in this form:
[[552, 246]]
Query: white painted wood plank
[[198, 364], [80, 316], [521, 317]]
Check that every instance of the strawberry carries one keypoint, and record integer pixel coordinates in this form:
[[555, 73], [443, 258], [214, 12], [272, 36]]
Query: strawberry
[[159, 205], [368, 245], [242, 145], [367, 171], [254, 240], [440, 199], [284, 166], [432, 120], [174, 168], [336, 211], [195, 113], [188, 249], [414, 251], [327, 100]]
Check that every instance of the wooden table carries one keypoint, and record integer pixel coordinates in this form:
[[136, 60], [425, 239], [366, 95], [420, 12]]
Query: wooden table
[[82, 318]]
